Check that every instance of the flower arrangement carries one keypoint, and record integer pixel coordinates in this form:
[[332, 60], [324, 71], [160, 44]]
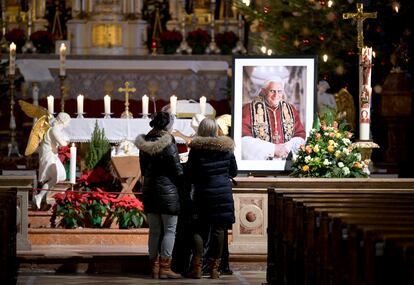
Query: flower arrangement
[[170, 41], [18, 36], [328, 153], [226, 41], [88, 209], [198, 40], [42, 40]]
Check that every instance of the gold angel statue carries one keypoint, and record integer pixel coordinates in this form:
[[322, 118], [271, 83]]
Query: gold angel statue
[[46, 136], [346, 107]]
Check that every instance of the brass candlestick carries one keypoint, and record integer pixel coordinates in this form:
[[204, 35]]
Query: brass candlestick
[[12, 145], [212, 47], [62, 92], [126, 114]]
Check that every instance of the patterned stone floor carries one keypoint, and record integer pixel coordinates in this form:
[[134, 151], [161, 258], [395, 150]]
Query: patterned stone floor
[[36, 278], [47, 265]]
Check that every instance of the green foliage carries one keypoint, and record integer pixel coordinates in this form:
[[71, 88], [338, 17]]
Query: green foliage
[[305, 27], [328, 153], [99, 149]]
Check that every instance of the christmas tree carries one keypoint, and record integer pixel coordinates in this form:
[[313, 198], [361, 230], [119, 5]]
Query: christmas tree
[[99, 149], [305, 27], [316, 27]]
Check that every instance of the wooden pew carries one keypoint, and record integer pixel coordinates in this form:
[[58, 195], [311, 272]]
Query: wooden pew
[[297, 212]]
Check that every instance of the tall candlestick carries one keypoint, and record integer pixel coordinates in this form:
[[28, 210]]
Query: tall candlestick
[[73, 164], [145, 100], [80, 103], [203, 101], [365, 94], [50, 104], [173, 104], [12, 63], [62, 59], [107, 104]]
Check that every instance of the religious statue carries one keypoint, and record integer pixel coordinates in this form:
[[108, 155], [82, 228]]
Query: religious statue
[[345, 106], [46, 136], [326, 101]]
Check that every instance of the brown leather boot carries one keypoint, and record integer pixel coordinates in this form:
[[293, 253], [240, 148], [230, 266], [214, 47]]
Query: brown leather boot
[[214, 265], [155, 268], [165, 269], [196, 268]]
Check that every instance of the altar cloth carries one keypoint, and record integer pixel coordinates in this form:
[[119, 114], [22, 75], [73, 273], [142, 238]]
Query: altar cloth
[[116, 130]]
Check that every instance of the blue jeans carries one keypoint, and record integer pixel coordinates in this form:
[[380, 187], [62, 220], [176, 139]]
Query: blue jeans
[[161, 235]]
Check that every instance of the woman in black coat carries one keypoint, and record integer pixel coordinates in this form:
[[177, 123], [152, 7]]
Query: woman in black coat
[[211, 165], [162, 173]]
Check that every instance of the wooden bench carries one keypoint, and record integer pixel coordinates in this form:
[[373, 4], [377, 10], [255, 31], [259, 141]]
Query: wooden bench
[[325, 236]]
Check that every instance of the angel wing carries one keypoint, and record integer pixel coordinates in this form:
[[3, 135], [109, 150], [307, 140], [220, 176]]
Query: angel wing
[[36, 135], [33, 111], [40, 127]]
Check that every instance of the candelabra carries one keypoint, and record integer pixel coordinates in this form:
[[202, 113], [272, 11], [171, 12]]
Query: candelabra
[[184, 47], [212, 47], [12, 145], [239, 48], [4, 45], [28, 45], [62, 92]]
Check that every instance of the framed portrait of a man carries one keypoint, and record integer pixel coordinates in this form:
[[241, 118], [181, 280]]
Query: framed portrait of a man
[[273, 109]]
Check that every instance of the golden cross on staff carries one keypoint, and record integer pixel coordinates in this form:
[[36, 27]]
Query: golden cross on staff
[[360, 16], [126, 114]]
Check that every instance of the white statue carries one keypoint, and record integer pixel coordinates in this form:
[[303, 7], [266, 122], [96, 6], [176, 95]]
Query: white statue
[[326, 101], [46, 136]]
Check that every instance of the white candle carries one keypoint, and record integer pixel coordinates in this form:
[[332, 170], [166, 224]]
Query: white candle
[[367, 63], [62, 59], [203, 101], [73, 164], [365, 113], [50, 104], [107, 104], [173, 104], [145, 100], [12, 63], [80, 104]]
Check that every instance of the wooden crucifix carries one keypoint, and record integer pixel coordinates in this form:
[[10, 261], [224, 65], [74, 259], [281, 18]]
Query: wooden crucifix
[[126, 114]]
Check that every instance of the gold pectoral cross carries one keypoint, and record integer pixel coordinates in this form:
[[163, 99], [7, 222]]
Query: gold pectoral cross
[[126, 114], [359, 17]]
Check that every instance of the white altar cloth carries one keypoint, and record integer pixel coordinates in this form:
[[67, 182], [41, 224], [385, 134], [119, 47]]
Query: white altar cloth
[[116, 130]]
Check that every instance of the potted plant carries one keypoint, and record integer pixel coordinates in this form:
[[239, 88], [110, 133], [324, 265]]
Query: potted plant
[[18, 37], [42, 40], [170, 41], [129, 212], [226, 41], [198, 40]]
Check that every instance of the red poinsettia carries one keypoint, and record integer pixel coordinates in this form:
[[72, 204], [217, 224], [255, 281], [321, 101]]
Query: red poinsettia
[[64, 154], [95, 175]]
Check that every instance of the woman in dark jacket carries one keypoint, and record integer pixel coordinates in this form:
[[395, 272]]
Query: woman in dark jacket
[[162, 173], [210, 167]]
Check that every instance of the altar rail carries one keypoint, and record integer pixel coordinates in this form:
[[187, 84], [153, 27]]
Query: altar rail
[[337, 231]]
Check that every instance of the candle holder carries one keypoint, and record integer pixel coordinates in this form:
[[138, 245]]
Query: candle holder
[[62, 92], [184, 47], [107, 115], [239, 48], [365, 147], [145, 116], [80, 115], [13, 148], [212, 47]]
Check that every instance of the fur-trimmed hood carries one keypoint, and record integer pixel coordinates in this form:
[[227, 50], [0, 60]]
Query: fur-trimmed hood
[[153, 147], [221, 143]]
